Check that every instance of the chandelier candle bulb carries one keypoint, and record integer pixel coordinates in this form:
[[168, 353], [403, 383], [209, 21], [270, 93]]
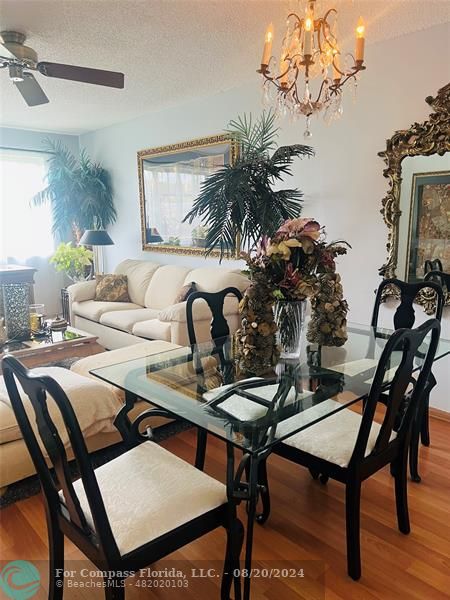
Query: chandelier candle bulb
[[267, 52], [360, 40], [309, 30]]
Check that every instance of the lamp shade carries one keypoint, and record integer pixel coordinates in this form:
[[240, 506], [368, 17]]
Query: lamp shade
[[152, 235], [95, 237]]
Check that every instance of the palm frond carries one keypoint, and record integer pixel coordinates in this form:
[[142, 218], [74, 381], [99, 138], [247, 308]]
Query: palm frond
[[79, 191], [239, 199], [254, 138]]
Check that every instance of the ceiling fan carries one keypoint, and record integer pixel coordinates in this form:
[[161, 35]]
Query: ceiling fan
[[20, 60]]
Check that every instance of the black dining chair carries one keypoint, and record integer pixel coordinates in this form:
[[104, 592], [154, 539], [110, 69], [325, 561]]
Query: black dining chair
[[405, 316], [220, 333], [126, 514], [350, 447], [432, 265], [439, 277]]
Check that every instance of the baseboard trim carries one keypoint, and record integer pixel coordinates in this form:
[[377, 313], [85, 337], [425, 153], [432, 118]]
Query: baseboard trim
[[437, 413]]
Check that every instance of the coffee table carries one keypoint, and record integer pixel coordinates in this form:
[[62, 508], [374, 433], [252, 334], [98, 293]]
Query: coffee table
[[62, 345]]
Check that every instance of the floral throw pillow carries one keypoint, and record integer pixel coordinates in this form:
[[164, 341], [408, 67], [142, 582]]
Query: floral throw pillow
[[112, 288], [185, 292]]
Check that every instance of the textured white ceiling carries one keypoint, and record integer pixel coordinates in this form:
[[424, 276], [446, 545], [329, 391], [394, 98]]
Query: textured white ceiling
[[170, 50]]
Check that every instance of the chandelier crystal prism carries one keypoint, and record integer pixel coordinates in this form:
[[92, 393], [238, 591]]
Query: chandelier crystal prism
[[310, 50]]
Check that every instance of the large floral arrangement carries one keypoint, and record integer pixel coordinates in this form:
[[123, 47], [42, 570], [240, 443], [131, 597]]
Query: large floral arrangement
[[293, 259], [295, 264]]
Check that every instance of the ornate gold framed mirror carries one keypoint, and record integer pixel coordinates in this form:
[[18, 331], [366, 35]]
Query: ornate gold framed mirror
[[170, 178], [416, 208]]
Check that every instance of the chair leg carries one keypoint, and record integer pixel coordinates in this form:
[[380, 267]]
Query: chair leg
[[314, 474], [401, 493], [425, 425], [200, 455], [56, 562], [352, 509], [417, 425], [114, 589], [235, 539], [263, 482]]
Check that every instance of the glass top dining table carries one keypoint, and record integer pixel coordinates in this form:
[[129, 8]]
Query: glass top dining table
[[208, 389], [253, 413]]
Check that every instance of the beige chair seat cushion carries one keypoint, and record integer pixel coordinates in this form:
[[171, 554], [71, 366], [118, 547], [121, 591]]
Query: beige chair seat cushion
[[332, 439], [126, 319], [93, 310], [93, 402], [154, 329], [148, 492]]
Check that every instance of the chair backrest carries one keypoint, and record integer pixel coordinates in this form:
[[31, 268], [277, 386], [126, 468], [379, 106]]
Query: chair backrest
[[215, 300], [439, 277], [405, 315], [399, 352], [41, 390], [432, 265]]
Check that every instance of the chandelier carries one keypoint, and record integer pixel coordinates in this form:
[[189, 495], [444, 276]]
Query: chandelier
[[310, 50]]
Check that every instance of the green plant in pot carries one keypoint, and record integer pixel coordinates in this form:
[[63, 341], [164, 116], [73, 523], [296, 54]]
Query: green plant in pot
[[239, 201], [199, 236], [79, 192], [74, 261]]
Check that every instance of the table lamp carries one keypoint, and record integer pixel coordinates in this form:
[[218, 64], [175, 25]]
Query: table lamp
[[152, 235], [97, 238]]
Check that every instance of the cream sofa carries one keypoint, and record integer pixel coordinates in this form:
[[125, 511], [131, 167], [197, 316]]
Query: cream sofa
[[152, 313]]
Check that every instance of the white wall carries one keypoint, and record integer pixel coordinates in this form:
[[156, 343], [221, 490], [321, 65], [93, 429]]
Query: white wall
[[343, 184], [48, 282]]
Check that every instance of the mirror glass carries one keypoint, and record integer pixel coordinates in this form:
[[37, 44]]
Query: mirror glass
[[170, 181], [424, 227]]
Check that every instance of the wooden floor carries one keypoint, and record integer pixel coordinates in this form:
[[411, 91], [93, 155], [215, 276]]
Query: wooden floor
[[306, 528]]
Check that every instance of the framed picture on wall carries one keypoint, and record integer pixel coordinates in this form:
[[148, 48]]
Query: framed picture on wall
[[429, 228], [170, 179]]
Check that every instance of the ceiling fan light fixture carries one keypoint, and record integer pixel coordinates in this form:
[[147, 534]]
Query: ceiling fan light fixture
[[16, 73]]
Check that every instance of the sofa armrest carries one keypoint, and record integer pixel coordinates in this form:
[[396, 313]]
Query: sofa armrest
[[200, 310], [82, 291]]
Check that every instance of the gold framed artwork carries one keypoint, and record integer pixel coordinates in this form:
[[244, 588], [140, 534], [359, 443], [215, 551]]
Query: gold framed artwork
[[170, 179], [429, 138], [429, 225]]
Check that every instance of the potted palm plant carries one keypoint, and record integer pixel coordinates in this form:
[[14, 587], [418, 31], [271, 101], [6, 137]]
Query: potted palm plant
[[239, 201], [79, 192]]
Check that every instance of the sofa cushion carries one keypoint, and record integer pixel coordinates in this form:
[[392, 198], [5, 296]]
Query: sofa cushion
[[93, 310], [153, 330], [208, 279], [200, 310], [148, 492], [84, 366], [139, 273], [93, 402], [185, 292], [125, 319], [111, 288], [165, 286]]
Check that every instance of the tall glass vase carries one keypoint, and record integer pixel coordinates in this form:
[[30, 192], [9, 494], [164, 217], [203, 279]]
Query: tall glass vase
[[290, 319]]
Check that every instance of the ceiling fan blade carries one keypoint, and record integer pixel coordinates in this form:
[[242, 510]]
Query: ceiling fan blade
[[5, 52], [83, 74], [31, 91]]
